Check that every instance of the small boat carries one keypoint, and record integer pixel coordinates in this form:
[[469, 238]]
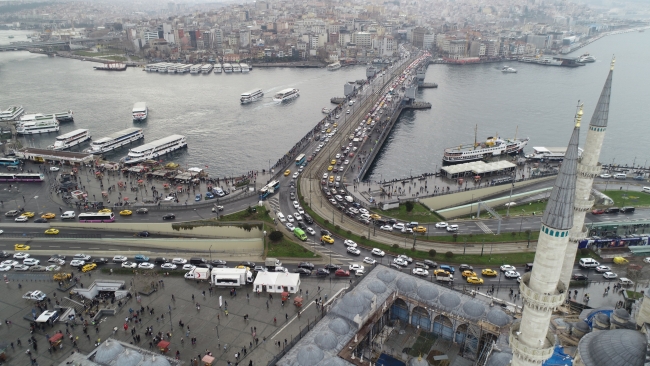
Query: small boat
[[587, 58], [11, 36], [508, 69], [326, 110], [334, 66]]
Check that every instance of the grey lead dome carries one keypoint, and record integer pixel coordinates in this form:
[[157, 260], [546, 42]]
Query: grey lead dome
[[339, 326], [449, 300], [108, 351], [309, 355], [617, 347], [498, 317], [428, 292]]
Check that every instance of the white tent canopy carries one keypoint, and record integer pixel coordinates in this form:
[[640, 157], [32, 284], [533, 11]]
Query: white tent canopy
[[277, 282]]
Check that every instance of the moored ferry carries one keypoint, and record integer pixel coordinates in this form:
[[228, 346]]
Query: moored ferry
[[115, 140], [140, 111], [43, 125], [155, 149], [195, 69], [245, 67], [205, 69], [286, 95], [12, 113], [71, 139], [251, 96], [236, 67], [493, 146], [227, 68], [61, 117], [217, 68]]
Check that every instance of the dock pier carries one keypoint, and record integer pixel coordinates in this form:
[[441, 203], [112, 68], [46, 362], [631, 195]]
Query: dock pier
[[338, 100], [428, 86]]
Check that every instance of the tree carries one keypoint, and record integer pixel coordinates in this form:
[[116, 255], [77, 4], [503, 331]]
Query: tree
[[432, 253], [276, 236], [409, 206], [449, 254], [455, 236]]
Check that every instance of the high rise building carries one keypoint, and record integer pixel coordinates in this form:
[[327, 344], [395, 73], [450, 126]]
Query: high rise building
[[588, 169], [541, 289]]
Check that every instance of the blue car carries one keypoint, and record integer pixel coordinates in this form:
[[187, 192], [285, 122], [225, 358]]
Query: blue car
[[447, 268], [209, 195], [197, 197], [140, 258]]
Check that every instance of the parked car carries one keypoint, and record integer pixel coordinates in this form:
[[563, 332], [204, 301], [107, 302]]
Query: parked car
[[342, 273], [579, 277], [377, 252]]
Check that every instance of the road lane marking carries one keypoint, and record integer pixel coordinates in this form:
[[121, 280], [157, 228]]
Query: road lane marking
[[54, 246], [75, 247]]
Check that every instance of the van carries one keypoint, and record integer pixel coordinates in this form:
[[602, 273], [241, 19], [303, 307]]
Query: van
[[612, 210], [588, 263], [307, 218], [627, 210], [300, 234], [620, 176], [68, 215], [197, 260]]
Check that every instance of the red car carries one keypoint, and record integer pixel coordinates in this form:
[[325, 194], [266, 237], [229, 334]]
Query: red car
[[598, 211], [342, 273]]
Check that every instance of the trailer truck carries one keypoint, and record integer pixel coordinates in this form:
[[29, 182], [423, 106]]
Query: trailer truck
[[230, 277]]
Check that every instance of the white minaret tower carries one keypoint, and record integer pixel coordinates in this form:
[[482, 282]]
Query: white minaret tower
[[588, 169], [541, 289]]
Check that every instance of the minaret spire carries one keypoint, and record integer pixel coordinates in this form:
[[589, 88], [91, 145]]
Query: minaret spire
[[588, 169]]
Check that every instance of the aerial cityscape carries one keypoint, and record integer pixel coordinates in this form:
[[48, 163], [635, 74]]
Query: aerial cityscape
[[219, 183]]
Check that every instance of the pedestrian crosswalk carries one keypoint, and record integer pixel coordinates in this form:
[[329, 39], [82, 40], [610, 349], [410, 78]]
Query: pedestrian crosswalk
[[484, 227], [274, 202]]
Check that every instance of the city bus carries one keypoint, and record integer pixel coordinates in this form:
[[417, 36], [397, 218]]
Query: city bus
[[300, 234], [269, 189], [22, 177], [9, 161], [97, 217], [300, 160]]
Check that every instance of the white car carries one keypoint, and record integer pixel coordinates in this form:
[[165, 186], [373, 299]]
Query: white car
[[507, 267], [324, 175], [420, 272], [5, 268], [168, 266], [386, 228], [606, 176], [77, 263], [377, 251], [405, 258], [369, 260], [356, 267], [54, 169], [83, 257], [610, 275], [399, 226], [349, 243], [311, 231], [512, 274], [452, 228], [346, 162], [441, 225], [337, 156], [129, 265], [301, 211], [296, 204], [407, 230], [603, 269], [52, 268], [290, 219], [21, 267], [10, 263], [290, 226], [295, 175], [146, 265], [21, 255], [646, 260], [354, 251], [364, 211], [179, 261], [400, 262], [119, 259], [170, 198], [188, 267], [31, 262], [21, 219], [281, 217], [297, 216]]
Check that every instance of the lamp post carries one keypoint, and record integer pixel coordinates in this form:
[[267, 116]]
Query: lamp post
[[264, 239], [210, 250], [36, 198]]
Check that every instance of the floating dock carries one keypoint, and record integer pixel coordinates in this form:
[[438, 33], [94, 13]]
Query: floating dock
[[428, 86]]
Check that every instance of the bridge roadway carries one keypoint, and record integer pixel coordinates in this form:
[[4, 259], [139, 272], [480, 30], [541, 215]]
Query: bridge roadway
[[27, 45]]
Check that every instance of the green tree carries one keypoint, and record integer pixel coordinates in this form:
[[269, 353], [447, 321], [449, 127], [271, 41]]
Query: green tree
[[432, 253], [409, 206], [449, 254], [276, 236]]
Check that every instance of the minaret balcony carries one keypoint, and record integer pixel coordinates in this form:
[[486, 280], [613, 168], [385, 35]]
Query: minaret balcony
[[588, 171], [583, 205], [527, 353], [545, 302]]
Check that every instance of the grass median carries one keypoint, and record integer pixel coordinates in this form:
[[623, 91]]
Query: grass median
[[629, 198]]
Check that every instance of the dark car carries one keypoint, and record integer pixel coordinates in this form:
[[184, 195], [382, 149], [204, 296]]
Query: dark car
[[308, 218], [392, 221], [612, 210], [302, 271], [447, 268], [142, 210], [218, 262], [4, 254], [627, 210], [332, 267], [160, 260], [430, 263], [169, 216], [324, 232], [322, 272], [144, 234], [302, 226], [529, 267], [99, 261], [247, 264], [306, 265], [579, 277], [465, 267], [40, 221]]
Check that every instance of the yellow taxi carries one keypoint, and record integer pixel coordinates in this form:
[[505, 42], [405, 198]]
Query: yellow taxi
[[28, 214], [52, 231], [439, 271], [126, 213], [375, 217], [475, 280], [327, 239], [335, 125], [88, 267], [333, 162], [243, 267], [105, 210], [420, 229], [48, 216], [469, 274], [328, 130], [62, 276], [331, 178], [21, 247], [489, 272], [287, 172], [329, 168]]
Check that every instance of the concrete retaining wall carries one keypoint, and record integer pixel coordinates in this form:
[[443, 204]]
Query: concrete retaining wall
[[226, 230]]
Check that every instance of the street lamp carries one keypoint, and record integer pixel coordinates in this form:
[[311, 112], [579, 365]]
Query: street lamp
[[264, 239], [36, 198], [210, 250]]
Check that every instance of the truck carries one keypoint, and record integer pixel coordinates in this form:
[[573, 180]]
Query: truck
[[198, 273], [231, 277], [35, 295], [271, 263], [445, 277]]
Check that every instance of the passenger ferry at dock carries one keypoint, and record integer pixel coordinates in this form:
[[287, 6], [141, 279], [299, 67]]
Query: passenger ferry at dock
[[115, 140], [245, 68], [195, 69], [155, 149], [40, 125], [251, 96], [493, 146], [205, 69], [71, 139], [140, 111], [236, 67], [217, 68], [286, 95], [227, 68], [61, 117], [12, 113]]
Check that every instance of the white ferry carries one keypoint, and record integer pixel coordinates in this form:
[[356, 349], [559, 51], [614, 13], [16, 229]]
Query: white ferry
[[217, 68], [61, 117], [493, 146], [334, 66], [286, 95], [205, 69], [12, 113], [251, 96], [71, 139], [183, 69], [140, 111], [236, 67], [39, 126], [195, 69], [227, 68], [155, 149], [245, 67], [115, 140]]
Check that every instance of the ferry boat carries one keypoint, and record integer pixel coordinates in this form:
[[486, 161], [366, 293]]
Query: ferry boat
[[111, 66], [70, 139], [286, 95], [195, 69], [236, 67], [251, 96], [508, 69], [493, 146], [551, 60], [115, 140], [334, 66], [587, 58], [183, 69], [12, 113], [61, 117], [41, 125], [245, 67], [205, 69], [155, 149], [140, 111], [227, 68], [217, 68]]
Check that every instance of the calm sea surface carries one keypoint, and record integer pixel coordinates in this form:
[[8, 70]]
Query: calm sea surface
[[230, 138]]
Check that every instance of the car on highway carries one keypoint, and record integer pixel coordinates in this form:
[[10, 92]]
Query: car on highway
[[52, 231], [179, 260], [297, 216], [441, 225], [168, 266], [420, 272], [475, 280], [100, 261], [310, 231], [349, 243], [307, 265], [37, 268], [48, 216], [142, 210], [197, 197], [507, 267], [119, 259], [287, 172], [28, 214], [322, 272], [420, 229], [610, 275], [290, 218], [169, 216], [31, 262], [53, 268], [12, 213], [290, 226], [56, 261], [400, 262], [353, 251], [21, 219], [377, 252], [465, 267], [605, 176], [363, 211], [139, 258], [386, 228], [597, 211], [512, 274], [295, 175], [579, 277], [327, 239], [188, 267], [143, 234], [342, 273], [375, 217], [21, 247], [88, 267], [105, 210], [54, 168], [21, 255], [77, 263], [355, 267], [452, 228], [489, 272], [302, 271], [146, 265], [332, 267], [40, 221], [468, 273], [369, 260], [406, 258], [126, 213], [5, 268], [21, 267], [214, 262], [603, 269], [9, 262]]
